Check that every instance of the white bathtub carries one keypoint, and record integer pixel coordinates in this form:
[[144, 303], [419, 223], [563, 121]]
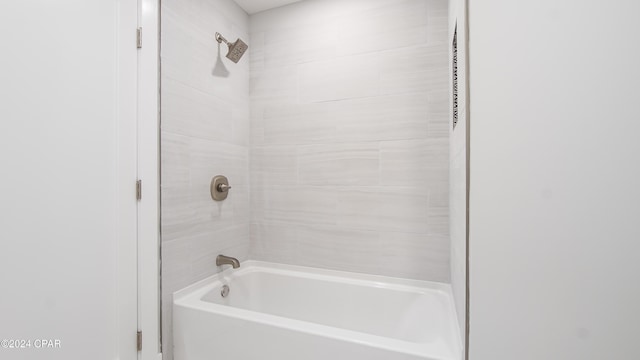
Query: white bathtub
[[284, 312]]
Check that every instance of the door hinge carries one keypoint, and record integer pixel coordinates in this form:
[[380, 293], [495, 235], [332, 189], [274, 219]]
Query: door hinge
[[139, 340], [139, 189], [139, 37]]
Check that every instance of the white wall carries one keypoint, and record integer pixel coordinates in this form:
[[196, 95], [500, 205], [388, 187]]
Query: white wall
[[555, 167], [349, 152], [67, 189], [458, 169], [205, 132]]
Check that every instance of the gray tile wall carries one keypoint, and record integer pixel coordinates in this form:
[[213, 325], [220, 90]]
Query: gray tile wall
[[205, 132], [350, 138]]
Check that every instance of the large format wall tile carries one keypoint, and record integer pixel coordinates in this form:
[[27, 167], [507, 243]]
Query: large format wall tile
[[298, 123], [412, 255], [414, 162], [191, 112], [274, 165], [397, 117], [339, 78], [294, 205], [414, 69], [339, 164]]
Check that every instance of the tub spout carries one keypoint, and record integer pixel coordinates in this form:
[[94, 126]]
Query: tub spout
[[227, 260]]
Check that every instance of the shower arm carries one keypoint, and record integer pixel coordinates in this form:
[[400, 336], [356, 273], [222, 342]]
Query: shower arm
[[221, 39]]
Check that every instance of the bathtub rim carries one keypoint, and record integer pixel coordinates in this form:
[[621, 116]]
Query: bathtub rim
[[249, 265]]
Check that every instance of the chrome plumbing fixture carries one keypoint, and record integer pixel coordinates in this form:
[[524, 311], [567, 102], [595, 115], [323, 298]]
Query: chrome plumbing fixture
[[227, 260], [236, 49], [225, 291], [219, 187]]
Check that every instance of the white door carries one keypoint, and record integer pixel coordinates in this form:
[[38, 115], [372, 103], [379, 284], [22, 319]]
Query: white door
[[67, 179]]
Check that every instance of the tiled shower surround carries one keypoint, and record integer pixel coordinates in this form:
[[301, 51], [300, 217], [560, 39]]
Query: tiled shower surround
[[333, 131], [350, 136]]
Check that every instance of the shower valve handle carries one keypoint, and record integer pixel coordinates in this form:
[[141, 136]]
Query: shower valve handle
[[223, 187]]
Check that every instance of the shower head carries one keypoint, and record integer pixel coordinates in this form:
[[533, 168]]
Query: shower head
[[236, 49]]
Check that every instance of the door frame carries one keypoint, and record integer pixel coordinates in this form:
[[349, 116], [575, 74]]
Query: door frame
[[148, 166]]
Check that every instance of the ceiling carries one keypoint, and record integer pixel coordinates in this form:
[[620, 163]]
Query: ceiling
[[254, 6]]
